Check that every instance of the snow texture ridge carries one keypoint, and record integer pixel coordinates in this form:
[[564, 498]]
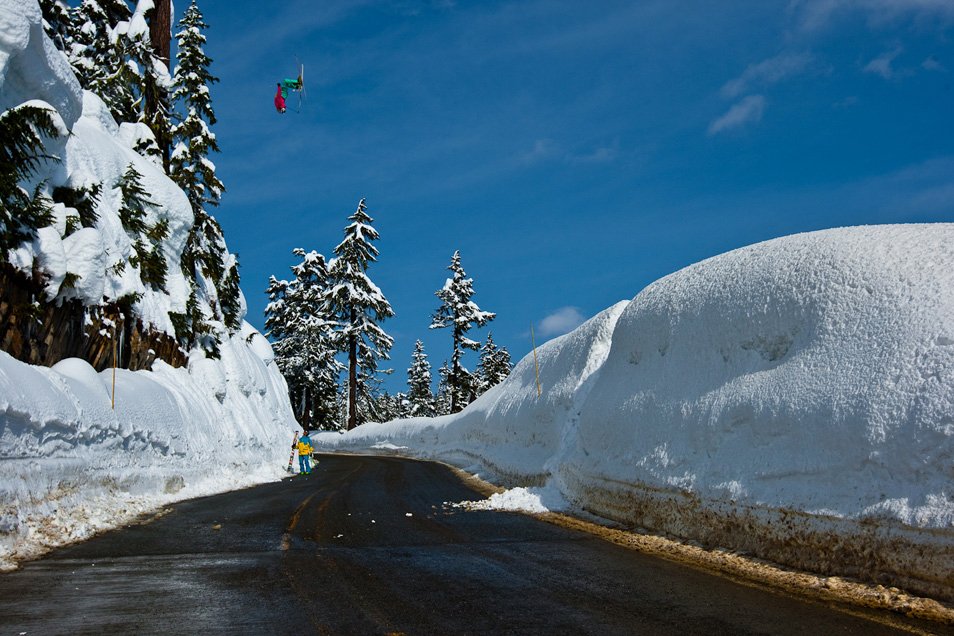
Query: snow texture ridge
[[792, 399]]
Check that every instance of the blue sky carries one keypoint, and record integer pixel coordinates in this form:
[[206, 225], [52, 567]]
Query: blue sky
[[572, 151]]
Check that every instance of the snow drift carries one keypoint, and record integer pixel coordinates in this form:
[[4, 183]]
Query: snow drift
[[70, 464], [793, 399]]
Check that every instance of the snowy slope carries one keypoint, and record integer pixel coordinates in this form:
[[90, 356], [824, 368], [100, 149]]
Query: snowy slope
[[70, 464], [793, 399]]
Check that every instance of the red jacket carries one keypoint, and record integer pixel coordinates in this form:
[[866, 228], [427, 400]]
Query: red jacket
[[279, 100]]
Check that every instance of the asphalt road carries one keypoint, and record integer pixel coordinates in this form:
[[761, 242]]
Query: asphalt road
[[366, 545]]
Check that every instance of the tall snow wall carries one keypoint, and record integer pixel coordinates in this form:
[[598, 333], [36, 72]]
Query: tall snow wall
[[793, 400]]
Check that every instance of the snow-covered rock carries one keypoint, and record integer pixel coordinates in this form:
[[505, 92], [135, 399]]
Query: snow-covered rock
[[793, 399]]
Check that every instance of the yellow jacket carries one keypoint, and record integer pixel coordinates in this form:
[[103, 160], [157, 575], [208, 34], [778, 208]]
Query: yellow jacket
[[304, 447]]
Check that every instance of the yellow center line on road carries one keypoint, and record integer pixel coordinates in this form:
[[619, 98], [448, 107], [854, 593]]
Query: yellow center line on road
[[296, 516]]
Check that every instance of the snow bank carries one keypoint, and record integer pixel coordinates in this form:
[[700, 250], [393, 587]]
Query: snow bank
[[71, 465], [793, 399]]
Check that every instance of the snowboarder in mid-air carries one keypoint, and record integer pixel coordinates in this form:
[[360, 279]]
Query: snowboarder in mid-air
[[282, 93], [304, 453]]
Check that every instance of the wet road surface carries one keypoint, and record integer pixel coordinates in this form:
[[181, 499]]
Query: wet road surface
[[366, 545]]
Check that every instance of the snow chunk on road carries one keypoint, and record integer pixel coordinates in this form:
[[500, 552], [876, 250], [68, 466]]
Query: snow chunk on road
[[532, 500]]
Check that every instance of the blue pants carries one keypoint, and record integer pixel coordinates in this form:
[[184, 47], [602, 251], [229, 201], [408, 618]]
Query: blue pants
[[304, 463]]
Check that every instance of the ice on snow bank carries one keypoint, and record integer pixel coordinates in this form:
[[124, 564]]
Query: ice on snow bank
[[793, 399]]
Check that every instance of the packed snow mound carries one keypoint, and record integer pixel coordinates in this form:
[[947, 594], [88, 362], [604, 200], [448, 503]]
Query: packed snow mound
[[814, 372], [793, 399], [31, 67]]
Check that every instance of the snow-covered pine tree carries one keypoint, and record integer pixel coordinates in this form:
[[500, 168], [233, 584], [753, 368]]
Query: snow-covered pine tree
[[442, 400], [494, 365], [157, 107], [358, 305], [458, 311], [147, 239], [419, 394], [193, 138], [206, 253], [316, 340], [57, 23], [387, 407], [147, 34], [21, 152], [304, 341], [99, 56], [213, 273]]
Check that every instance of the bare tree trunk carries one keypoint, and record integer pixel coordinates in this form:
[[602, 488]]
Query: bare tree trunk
[[455, 370], [352, 377], [157, 100]]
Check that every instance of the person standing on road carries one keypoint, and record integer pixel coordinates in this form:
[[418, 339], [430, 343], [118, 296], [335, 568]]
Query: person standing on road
[[304, 454]]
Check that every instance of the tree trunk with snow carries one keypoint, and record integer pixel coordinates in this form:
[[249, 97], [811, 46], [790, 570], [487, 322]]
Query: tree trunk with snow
[[160, 35], [352, 376]]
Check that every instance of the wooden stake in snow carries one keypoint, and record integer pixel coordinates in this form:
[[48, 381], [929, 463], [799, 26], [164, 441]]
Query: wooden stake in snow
[[114, 363], [536, 366]]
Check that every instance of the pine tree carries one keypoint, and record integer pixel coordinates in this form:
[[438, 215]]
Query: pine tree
[[494, 365], [157, 108], [207, 261], [57, 23], [206, 253], [21, 153], [148, 50], [135, 201], [99, 56], [442, 401], [357, 305], [419, 395], [194, 140], [387, 407], [458, 311], [304, 340], [147, 239]]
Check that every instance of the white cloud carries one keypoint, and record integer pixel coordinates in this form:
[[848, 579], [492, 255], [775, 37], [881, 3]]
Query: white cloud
[[549, 150], [813, 15], [748, 110], [881, 65], [933, 64], [767, 72], [603, 154], [561, 321], [543, 149]]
